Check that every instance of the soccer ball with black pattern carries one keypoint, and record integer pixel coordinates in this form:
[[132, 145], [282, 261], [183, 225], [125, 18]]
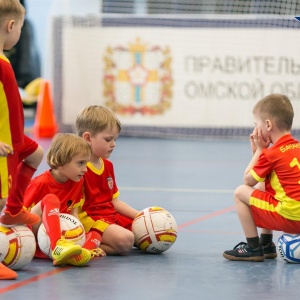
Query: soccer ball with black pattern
[[289, 247]]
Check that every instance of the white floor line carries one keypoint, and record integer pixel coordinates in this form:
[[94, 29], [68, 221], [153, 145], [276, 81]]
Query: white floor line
[[177, 190]]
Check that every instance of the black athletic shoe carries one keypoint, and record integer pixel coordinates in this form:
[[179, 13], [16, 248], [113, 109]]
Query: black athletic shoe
[[270, 251], [245, 253]]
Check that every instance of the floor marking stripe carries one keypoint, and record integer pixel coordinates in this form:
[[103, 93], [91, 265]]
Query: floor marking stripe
[[214, 214], [62, 269], [212, 191], [32, 279]]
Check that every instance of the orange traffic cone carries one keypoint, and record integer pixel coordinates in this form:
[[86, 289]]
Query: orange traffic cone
[[45, 125]]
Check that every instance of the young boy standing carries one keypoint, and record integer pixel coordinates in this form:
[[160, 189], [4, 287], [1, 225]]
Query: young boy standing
[[19, 155], [102, 210], [276, 163]]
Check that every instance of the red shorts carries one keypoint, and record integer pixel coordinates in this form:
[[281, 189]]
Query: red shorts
[[9, 165], [101, 223], [263, 208]]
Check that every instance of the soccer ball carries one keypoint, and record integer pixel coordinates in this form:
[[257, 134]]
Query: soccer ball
[[289, 247], [21, 246], [4, 245], [71, 230], [154, 229]]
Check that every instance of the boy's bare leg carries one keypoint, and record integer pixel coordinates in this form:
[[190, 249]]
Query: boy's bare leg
[[253, 250], [26, 169], [117, 240], [242, 202]]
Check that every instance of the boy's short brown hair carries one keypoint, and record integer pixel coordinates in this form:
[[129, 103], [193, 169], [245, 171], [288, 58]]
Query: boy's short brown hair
[[64, 147], [278, 108], [12, 9], [95, 119]]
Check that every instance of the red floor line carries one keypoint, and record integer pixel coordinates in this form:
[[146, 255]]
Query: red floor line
[[214, 214], [32, 279], [59, 270]]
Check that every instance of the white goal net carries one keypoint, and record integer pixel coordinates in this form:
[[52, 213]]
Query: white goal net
[[174, 68]]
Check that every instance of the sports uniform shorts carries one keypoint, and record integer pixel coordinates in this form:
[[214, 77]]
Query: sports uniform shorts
[[101, 223], [9, 165], [263, 208]]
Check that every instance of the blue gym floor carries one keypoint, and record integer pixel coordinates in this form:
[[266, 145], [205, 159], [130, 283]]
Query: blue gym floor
[[195, 181]]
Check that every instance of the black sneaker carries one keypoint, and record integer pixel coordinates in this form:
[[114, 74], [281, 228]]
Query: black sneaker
[[245, 253], [270, 251]]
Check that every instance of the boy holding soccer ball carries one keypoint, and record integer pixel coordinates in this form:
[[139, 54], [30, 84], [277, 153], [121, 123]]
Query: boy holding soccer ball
[[102, 210], [270, 195], [59, 190]]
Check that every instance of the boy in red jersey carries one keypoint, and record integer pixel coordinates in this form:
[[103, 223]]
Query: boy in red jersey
[[19, 155], [102, 210], [273, 204], [60, 190]]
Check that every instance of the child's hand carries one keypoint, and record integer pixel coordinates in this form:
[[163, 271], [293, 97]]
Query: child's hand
[[252, 144], [5, 149], [258, 141]]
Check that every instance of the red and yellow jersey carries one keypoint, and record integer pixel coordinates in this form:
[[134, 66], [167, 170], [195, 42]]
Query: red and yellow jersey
[[11, 107], [70, 193], [279, 167], [100, 189]]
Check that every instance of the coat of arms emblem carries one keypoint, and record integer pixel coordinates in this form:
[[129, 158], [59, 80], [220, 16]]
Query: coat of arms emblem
[[138, 79]]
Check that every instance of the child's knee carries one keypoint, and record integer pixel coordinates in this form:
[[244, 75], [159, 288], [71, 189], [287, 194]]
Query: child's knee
[[125, 243], [50, 199], [238, 193]]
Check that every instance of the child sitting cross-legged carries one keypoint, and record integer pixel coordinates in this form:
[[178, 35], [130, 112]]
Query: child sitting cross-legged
[[60, 190]]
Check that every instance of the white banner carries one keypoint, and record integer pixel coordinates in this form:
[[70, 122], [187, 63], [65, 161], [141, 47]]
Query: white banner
[[183, 77]]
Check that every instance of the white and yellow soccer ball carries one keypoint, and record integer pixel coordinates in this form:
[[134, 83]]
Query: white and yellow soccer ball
[[21, 246], [154, 229], [4, 245], [71, 230]]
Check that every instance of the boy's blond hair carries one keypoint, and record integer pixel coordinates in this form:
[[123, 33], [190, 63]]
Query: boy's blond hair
[[277, 108], [11, 9], [64, 147], [94, 119]]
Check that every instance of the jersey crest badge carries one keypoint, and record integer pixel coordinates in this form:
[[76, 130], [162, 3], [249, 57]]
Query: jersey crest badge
[[110, 183]]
